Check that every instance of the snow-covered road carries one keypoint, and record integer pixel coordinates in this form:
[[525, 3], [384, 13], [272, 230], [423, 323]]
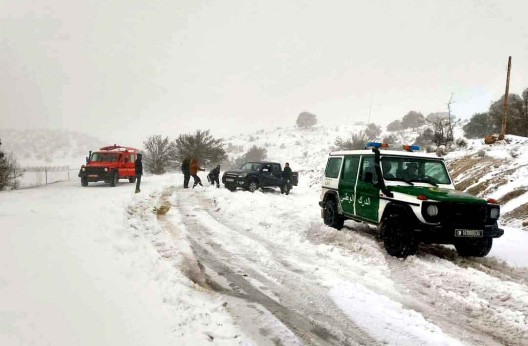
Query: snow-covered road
[[343, 282], [237, 268]]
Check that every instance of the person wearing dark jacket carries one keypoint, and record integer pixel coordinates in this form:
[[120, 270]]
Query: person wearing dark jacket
[[287, 172], [214, 176], [186, 170], [138, 171], [194, 168]]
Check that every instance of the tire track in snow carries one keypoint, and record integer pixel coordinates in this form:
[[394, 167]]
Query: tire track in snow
[[307, 311], [482, 300], [493, 327]]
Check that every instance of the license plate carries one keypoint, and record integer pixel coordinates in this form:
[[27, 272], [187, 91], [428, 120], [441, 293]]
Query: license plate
[[468, 233], [92, 175], [229, 179]]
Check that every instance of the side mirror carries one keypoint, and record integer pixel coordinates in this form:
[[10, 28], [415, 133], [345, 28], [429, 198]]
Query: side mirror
[[87, 160]]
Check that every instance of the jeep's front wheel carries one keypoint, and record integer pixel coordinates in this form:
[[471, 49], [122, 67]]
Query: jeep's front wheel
[[397, 236], [84, 181], [331, 216], [253, 186], [132, 179], [114, 180], [473, 247], [230, 187]]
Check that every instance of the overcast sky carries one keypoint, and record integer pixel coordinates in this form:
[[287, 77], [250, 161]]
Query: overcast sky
[[127, 69]]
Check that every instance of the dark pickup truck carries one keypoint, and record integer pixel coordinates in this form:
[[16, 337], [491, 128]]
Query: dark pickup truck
[[254, 175]]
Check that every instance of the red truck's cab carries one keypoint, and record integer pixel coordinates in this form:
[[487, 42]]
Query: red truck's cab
[[109, 164]]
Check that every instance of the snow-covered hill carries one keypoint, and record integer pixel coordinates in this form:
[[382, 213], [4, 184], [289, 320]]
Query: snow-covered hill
[[48, 147], [496, 171]]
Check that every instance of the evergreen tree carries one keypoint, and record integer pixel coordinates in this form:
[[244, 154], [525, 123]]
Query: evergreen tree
[[413, 120], [480, 125], [306, 120], [396, 125], [372, 131], [202, 146]]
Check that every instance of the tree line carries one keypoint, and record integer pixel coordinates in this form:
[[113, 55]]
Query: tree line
[[490, 122], [161, 154]]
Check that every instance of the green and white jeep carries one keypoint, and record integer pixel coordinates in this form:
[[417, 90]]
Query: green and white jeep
[[410, 197]]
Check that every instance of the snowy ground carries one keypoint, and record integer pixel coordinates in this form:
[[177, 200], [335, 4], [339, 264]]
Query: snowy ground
[[96, 265]]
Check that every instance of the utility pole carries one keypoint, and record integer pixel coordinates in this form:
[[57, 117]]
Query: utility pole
[[370, 108], [505, 104]]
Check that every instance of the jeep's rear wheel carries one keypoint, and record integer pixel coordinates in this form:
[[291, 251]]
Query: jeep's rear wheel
[[84, 181], [331, 216], [397, 236], [473, 247], [253, 186], [114, 180], [132, 180]]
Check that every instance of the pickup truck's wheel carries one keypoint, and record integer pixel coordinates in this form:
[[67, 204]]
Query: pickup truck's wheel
[[114, 180], [253, 186], [84, 181], [473, 247], [397, 235], [331, 216], [132, 179]]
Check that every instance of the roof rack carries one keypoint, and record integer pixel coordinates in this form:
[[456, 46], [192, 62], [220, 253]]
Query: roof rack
[[406, 147], [118, 148]]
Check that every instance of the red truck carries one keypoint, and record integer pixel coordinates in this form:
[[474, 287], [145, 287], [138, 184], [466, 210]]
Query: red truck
[[109, 164]]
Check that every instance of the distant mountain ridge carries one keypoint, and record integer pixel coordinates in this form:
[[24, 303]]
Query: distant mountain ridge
[[47, 146]]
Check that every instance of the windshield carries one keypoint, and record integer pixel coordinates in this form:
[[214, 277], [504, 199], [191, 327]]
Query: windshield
[[413, 169], [104, 157], [251, 166]]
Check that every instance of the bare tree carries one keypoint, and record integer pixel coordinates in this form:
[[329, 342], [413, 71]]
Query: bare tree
[[158, 154], [356, 141], [442, 127], [10, 171]]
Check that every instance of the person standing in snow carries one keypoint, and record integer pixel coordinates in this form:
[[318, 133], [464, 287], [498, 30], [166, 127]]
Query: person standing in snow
[[287, 172], [139, 171], [194, 168], [214, 176], [186, 170]]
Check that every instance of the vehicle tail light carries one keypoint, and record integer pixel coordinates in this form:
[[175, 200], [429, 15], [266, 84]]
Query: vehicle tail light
[[422, 197]]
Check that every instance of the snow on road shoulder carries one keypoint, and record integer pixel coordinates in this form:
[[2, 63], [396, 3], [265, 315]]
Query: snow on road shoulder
[[68, 275]]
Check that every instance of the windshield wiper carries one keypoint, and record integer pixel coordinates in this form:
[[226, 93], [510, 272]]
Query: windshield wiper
[[405, 181], [429, 181]]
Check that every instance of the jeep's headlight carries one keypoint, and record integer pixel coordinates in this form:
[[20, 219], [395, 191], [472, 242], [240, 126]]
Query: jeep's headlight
[[106, 169], [432, 210], [83, 169], [242, 175], [494, 213]]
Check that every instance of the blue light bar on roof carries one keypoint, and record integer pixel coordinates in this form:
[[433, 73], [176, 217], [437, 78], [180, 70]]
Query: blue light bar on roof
[[411, 147], [377, 145]]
